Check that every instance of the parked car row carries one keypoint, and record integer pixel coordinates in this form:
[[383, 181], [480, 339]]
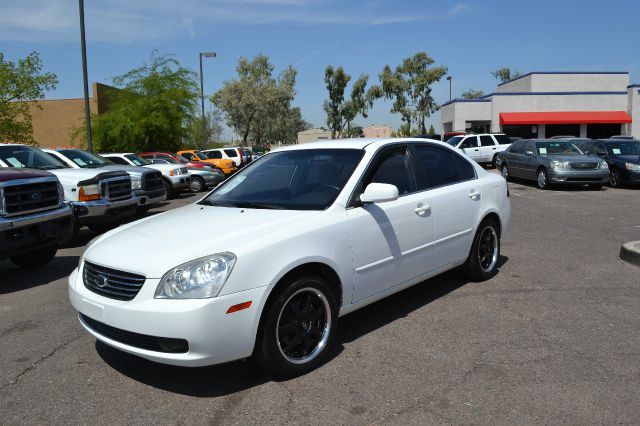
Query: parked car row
[[571, 161]]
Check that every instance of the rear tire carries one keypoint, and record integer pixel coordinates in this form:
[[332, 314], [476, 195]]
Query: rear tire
[[505, 173], [485, 251], [298, 326], [494, 161], [37, 258]]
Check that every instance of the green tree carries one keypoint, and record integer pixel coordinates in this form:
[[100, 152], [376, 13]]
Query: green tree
[[212, 130], [341, 112], [472, 94], [409, 86], [431, 131], [153, 111], [354, 132], [21, 85], [505, 74], [284, 127], [256, 98]]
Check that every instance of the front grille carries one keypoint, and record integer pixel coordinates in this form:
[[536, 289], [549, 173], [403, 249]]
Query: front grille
[[137, 340], [584, 165], [111, 283], [151, 181], [30, 197], [116, 189]]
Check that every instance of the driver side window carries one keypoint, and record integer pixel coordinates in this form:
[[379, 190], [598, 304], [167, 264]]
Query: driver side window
[[392, 167]]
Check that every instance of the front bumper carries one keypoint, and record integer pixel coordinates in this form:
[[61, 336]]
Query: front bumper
[[632, 178], [22, 235], [180, 183], [212, 180], [578, 177], [213, 336], [147, 198], [104, 211]]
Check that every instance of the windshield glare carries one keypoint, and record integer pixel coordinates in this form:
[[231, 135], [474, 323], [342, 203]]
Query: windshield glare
[[84, 159], [308, 179], [557, 148], [624, 148], [137, 160], [455, 140], [24, 156]]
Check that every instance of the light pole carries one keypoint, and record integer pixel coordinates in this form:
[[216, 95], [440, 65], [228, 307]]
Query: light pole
[[206, 55], [87, 112], [449, 78]]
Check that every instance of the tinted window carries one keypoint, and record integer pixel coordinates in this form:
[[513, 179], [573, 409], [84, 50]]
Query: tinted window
[[467, 171], [502, 139], [624, 148], [558, 148], [455, 140], [24, 156], [187, 155], [214, 154], [517, 147], [596, 148], [470, 142], [530, 146], [438, 167], [486, 141], [231, 153], [308, 179], [392, 167], [119, 160], [84, 159]]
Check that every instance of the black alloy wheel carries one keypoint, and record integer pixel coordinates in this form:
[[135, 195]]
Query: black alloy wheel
[[485, 252]]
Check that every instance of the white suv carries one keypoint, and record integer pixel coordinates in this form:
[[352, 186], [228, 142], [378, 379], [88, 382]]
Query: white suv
[[236, 154], [483, 148], [307, 234]]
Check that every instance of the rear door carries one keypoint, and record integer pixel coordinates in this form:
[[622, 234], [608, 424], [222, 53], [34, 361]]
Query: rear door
[[488, 148], [515, 159]]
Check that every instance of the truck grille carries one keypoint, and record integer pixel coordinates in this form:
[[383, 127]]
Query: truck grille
[[137, 340], [111, 283], [30, 197], [116, 188], [151, 181], [584, 165]]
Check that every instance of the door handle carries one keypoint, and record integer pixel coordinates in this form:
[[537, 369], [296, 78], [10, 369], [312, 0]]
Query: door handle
[[422, 209], [474, 195], [476, 149], [494, 148]]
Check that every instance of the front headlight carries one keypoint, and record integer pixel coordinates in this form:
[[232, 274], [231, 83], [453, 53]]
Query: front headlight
[[632, 167], [89, 192], [604, 165], [198, 279], [174, 172], [60, 195], [559, 164], [136, 183]]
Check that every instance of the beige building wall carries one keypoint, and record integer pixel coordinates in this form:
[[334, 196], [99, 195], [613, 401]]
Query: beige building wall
[[313, 135], [382, 131]]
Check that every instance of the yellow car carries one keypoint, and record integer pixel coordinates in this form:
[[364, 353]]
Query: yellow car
[[226, 166]]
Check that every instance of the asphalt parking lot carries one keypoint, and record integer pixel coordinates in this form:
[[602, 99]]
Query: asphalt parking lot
[[553, 338]]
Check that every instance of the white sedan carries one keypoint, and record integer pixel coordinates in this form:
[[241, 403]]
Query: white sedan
[[305, 235]]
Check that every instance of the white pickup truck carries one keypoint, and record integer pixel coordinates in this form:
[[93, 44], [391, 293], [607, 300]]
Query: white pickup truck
[[175, 178], [483, 148], [99, 200]]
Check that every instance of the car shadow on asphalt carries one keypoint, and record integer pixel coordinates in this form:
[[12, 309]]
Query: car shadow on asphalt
[[233, 377], [17, 279]]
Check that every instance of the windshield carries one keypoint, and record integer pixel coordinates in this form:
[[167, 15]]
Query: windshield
[[181, 158], [623, 148], [308, 179], [84, 159], [455, 140], [557, 148], [25, 156], [137, 160], [169, 160]]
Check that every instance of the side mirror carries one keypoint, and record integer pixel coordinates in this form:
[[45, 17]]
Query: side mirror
[[528, 153], [588, 153], [602, 154], [379, 193]]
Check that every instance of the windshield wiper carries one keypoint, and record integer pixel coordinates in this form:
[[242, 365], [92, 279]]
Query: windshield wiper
[[252, 205]]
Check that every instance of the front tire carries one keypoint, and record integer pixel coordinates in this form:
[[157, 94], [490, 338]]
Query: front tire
[[170, 191], [543, 179], [485, 251], [615, 178], [299, 325], [197, 184], [37, 258]]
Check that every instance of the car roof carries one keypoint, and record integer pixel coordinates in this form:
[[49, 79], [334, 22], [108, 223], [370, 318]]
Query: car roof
[[354, 143]]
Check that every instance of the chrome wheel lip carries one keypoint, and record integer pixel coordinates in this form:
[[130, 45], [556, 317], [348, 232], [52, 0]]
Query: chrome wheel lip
[[542, 179], [325, 331], [494, 248]]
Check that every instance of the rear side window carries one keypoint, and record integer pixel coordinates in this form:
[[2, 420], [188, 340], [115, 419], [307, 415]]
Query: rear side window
[[231, 153], [119, 160], [502, 139], [470, 142], [517, 147], [439, 167], [214, 154], [486, 141]]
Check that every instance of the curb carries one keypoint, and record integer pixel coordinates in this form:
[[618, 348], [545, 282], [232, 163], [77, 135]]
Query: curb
[[630, 252]]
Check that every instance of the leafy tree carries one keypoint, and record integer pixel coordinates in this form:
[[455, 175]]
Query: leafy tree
[[409, 86], [341, 112], [472, 94], [256, 98], [505, 74], [153, 111], [354, 132], [21, 85], [404, 131], [431, 131], [212, 127], [284, 127]]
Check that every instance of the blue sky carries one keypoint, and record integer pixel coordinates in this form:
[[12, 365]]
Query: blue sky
[[470, 37]]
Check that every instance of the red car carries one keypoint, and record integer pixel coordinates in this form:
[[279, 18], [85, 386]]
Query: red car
[[178, 157]]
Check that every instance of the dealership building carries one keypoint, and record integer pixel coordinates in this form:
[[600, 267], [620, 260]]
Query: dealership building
[[546, 104]]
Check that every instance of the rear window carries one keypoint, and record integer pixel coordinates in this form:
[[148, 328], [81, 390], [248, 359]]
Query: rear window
[[231, 152], [502, 139]]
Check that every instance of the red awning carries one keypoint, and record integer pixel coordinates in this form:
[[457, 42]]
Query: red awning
[[564, 117]]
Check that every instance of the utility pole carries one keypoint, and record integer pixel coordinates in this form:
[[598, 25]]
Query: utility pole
[[449, 78], [87, 111], [206, 55]]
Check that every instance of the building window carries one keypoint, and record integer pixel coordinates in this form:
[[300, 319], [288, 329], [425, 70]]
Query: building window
[[602, 131]]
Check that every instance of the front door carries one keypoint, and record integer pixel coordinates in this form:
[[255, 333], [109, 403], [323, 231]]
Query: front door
[[471, 147], [390, 240]]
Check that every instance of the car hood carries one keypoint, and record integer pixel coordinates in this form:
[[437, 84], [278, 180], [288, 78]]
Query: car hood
[[132, 170], [9, 174], [154, 245]]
